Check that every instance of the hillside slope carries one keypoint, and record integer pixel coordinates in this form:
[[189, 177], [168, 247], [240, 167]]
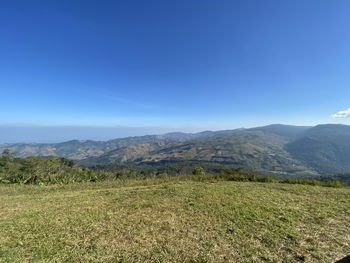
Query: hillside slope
[[278, 149], [174, 221], [326, 148], [253, 149]]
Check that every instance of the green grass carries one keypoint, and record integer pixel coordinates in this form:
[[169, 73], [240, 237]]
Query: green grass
[[173, 220]]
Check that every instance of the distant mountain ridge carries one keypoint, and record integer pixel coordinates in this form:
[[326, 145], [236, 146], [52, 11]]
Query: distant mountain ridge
[[324, 147], [277, 149]]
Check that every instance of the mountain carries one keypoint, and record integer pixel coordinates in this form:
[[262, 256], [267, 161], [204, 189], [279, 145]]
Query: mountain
[[81, 149], [326, 148], [287, 132], [78, 149], [253, 149], [276, 149]]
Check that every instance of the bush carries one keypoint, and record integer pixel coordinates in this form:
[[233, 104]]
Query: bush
[[198, 170], [36, 170]]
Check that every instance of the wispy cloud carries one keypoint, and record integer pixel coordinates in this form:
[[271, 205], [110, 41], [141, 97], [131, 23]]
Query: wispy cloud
[[342, 114]]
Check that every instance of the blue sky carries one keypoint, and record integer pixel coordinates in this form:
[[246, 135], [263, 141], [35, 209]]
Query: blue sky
[[174, 65]]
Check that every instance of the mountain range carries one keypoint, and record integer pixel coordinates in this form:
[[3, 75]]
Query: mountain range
[[274, 149]]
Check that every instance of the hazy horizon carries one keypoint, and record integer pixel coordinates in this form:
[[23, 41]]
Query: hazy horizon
[[57, 134]]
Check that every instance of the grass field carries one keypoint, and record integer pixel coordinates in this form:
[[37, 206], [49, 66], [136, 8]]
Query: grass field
[[174, 221]]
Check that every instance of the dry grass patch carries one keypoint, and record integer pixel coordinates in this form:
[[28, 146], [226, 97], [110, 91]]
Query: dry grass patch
[[174, 221]]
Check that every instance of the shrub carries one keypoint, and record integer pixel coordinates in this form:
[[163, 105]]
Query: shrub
[[198, 170]]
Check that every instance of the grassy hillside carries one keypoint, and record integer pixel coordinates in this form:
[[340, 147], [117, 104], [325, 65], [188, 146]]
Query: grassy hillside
[[173, 220]]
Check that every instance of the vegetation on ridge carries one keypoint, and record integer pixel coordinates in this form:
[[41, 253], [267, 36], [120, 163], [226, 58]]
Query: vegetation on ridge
[[53, 170]]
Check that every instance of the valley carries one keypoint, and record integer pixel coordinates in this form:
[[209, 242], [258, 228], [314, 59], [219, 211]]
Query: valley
[[274, 149]]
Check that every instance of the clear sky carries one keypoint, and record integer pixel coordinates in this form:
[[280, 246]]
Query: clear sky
[[176, 65]]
